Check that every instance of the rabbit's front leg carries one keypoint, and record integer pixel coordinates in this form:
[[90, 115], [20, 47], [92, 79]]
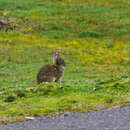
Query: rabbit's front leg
[[59, 81]]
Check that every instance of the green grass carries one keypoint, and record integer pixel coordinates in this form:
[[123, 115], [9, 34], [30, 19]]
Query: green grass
[[94, 39]]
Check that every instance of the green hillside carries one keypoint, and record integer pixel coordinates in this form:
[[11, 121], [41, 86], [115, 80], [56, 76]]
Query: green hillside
[[94, 38]]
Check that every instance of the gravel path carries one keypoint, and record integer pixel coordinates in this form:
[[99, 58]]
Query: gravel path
[[115, 118]]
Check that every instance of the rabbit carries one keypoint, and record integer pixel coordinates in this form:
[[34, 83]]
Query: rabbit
[[52, 72]]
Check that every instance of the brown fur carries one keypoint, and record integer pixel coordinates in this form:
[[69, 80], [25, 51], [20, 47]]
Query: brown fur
[[51, 72]]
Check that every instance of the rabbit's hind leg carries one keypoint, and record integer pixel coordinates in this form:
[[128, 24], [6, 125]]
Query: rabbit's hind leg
[[51, 79], [54, 79]]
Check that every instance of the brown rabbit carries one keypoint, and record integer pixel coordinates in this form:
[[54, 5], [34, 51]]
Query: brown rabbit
[[52, 72]]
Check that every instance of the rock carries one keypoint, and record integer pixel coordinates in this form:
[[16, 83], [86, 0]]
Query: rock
[[3, 22]]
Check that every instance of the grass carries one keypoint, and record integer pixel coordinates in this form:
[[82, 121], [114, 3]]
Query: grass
[[94, 39]]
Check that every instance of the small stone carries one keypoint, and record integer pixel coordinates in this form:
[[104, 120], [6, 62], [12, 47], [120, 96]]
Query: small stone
[[66, 114], [29, 118]]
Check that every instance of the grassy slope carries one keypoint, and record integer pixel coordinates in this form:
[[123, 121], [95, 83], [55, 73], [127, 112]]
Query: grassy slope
[[94, 38]]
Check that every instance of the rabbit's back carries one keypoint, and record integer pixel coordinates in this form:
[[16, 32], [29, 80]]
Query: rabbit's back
[[49, 73]]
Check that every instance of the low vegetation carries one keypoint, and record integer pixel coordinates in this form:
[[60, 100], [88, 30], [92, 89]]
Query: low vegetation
[[94, 39]]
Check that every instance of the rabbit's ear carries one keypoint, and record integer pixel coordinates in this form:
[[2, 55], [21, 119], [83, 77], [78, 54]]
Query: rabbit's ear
[[55, 57]]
